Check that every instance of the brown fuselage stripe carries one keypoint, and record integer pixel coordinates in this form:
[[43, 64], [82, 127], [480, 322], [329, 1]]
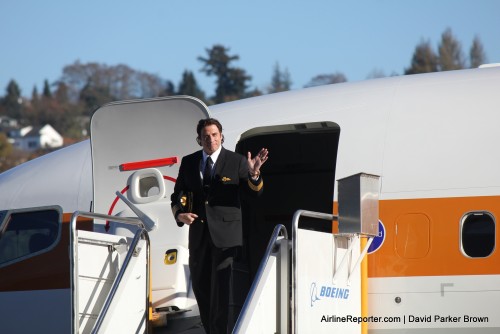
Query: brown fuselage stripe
[[45, 271]]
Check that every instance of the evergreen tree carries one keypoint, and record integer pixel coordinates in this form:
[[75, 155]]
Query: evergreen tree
[[327, 79], [169, 89], [12, 101], [34, 95], [61, 93], [46, 90], [280, 81], [189, 86], [231, 81], [477, 55], [424, 59], [450, 53], [376, 73], [237, 85]]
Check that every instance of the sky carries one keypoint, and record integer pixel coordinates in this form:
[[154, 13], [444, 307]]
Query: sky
[[166, 37]]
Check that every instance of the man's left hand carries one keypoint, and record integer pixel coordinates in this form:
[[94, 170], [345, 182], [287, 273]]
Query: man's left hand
[[256, 162]]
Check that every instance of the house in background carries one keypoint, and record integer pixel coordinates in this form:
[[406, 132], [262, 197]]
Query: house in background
[[7, 123], [34, 138]]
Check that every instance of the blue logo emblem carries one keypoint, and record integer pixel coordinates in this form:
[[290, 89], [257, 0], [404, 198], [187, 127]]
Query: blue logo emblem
[[379, 240], [327, 292]]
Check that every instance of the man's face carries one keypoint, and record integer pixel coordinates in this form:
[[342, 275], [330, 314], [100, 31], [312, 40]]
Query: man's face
[[210, 139]]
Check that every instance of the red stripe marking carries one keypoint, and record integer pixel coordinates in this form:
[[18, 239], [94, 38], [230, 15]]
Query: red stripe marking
[[148, 164]]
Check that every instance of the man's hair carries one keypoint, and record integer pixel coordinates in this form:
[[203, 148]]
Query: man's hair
[[206, 122]]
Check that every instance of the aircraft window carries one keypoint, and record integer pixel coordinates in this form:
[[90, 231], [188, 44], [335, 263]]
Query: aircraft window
[[25, 233], [478, 234]]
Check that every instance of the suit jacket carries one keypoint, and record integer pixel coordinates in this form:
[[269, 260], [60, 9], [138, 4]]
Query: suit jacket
[[220, 206]]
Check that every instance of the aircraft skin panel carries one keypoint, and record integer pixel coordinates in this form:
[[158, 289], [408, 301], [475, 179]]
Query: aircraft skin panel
[[62, 177], [372, 141], [28, 311], [435, 302], [360, 109], [443, 142]]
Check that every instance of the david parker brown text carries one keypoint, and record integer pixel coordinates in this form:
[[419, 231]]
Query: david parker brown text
[[406, 319]]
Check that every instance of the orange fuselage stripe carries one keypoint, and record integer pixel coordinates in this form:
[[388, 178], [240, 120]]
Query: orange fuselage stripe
[[438, 252]]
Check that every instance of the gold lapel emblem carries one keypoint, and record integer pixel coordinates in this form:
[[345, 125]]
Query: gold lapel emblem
[[225, 179]]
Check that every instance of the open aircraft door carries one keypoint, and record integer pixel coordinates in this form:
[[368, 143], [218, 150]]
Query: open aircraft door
[[298, 193], [136, 152], [300, 174]]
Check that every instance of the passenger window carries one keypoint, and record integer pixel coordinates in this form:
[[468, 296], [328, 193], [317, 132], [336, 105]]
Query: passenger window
[[478, 234], [25, 233]]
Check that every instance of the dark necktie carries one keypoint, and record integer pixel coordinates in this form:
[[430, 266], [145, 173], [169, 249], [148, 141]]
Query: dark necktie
[[207, 172]]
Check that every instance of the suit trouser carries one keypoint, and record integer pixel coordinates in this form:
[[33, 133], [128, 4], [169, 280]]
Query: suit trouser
[[210, 268]]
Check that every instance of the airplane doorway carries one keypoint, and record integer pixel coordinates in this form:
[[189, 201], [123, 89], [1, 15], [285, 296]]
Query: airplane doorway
[[300, 174]]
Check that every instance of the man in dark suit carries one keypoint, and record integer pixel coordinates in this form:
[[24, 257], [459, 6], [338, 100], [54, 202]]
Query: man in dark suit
[[212, 182]]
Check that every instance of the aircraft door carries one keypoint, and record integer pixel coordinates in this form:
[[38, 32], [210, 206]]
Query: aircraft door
[[137, 147], [300, 174]]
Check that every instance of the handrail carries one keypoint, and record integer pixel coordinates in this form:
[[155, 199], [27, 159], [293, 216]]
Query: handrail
[[73, 250], [272, 242], [295, 227], [119, 278]]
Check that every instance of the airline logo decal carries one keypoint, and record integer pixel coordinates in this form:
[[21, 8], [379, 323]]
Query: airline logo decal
[[379, 240], [327, 292]]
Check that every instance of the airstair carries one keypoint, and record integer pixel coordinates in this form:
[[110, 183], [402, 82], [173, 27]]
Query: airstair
[[311, 282], [110, 283]]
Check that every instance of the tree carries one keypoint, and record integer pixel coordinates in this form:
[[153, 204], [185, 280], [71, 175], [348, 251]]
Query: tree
[[477, 55], [376, 73], [169, 89], [46, 90], [280, 80], [65, 115], [12, 101], [5, 146], [118, 82], [34, 95], [450, 53], [327, 79], [231, 81], [61, 93], [93, 96], [189, 86], [424, 59], [5, 152]]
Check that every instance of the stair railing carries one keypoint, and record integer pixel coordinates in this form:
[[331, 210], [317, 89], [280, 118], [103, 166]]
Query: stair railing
[[141, 233]]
